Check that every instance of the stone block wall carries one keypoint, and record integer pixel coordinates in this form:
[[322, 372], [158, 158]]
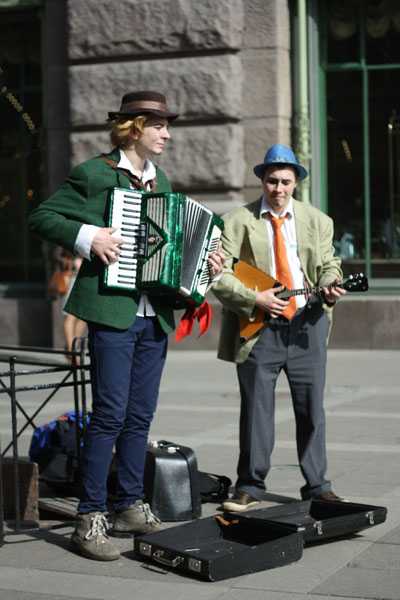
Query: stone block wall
[[224, 66]]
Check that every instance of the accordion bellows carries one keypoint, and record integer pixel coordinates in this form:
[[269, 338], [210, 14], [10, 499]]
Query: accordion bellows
[[167, 240]]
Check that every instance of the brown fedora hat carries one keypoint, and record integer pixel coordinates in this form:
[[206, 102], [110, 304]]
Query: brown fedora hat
[[138, 103]]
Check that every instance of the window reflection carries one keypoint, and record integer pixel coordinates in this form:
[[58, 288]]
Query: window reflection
[[370, 31], [21, 163]]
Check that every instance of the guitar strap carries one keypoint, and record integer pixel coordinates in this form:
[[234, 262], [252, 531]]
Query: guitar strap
[[135, 181]]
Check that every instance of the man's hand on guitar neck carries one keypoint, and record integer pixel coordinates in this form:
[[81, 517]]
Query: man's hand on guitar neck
[[269, 303], [332, 293]]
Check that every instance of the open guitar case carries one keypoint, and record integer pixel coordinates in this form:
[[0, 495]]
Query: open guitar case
[[219, 547]]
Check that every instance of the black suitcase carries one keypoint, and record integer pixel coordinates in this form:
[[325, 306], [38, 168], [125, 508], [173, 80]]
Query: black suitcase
[[216, 547], [171, 484], [317, 520]]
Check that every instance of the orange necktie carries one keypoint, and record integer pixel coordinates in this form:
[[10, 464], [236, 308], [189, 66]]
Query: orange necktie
[[283, 274]]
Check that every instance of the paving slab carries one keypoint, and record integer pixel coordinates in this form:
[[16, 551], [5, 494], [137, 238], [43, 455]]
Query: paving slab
[[362, 583]]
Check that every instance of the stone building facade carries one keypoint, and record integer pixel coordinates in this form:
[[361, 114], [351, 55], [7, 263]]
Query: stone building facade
[[224, 66], [228, 67]]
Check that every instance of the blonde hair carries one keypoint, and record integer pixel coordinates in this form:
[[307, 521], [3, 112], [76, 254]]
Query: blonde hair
[[122, 127]]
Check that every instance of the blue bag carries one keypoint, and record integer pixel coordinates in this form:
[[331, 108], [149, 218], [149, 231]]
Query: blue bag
[[54, 448]]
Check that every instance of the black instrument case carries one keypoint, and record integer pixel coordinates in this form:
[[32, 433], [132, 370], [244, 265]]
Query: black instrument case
[[171, 484], [318, 520], [219, 547], [216, 547]]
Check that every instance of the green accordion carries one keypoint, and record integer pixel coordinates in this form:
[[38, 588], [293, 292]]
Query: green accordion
[[167, 240]]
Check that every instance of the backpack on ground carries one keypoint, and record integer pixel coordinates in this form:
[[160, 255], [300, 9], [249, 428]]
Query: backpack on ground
[[54, 448]]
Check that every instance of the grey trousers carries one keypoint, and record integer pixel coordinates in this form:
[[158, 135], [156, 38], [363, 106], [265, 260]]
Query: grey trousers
[[299, 348]]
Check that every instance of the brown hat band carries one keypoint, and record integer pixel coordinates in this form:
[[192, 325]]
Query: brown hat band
[[143, 104]]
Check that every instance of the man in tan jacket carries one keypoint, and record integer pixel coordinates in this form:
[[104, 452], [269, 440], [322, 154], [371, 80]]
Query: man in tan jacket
[[292, 335]]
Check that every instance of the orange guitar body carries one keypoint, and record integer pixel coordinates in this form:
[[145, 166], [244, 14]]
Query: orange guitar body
[[254, 279]]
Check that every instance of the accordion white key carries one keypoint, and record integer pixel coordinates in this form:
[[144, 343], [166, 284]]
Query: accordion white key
[[167, 240]]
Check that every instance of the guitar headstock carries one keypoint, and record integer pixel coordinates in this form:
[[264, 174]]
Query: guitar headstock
[[356, 283]]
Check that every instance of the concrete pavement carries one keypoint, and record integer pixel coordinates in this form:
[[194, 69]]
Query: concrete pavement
[[199, 407]]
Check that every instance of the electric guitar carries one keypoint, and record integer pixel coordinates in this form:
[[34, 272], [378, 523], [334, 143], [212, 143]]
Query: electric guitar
[[255, 279]]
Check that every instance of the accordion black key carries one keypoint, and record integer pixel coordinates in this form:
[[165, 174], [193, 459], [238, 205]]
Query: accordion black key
[[167, 240]]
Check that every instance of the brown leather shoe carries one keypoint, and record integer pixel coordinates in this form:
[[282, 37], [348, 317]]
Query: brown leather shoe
[[240, 501], [328, 496]]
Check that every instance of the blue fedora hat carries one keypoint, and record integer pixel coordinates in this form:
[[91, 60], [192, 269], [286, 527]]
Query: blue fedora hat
[[279, 154]]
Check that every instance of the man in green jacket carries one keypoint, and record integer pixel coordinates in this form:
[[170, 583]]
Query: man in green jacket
[[127, 331]]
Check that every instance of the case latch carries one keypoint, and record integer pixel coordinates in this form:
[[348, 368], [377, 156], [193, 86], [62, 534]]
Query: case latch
[[370, 517], [194, 565], [318, 527], [145, 549]]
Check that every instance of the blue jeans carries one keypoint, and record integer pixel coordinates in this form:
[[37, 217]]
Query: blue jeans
[[126, 368]]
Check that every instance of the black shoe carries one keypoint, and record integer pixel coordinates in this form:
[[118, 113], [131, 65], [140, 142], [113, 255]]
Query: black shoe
[[331, 496], [240, 501]]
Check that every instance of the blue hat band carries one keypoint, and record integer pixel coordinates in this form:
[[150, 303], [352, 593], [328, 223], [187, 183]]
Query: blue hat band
[[282, 160]]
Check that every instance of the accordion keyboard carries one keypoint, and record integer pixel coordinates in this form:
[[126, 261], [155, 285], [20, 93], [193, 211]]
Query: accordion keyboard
[[125, 217]]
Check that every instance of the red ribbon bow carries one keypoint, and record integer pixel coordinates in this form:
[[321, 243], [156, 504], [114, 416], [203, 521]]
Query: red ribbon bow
[[202, 314]]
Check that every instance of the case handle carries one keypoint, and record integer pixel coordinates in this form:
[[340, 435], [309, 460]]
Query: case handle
[[158, 556]]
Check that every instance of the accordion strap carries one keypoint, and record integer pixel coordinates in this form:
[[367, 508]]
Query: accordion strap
[[132, 178]]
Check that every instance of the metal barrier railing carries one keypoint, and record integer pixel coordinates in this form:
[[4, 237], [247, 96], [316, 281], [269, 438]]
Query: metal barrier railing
[[76, 371]]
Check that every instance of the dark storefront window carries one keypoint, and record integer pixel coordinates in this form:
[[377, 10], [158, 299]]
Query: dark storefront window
[[384, 116], [360, 49], [22, 163], [345, 166]]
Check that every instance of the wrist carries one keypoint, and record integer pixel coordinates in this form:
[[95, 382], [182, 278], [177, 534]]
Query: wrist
[[326, 301]]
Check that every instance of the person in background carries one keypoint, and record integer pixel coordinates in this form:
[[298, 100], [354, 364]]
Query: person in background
[[293, 243], [72, 326], [127, 331]]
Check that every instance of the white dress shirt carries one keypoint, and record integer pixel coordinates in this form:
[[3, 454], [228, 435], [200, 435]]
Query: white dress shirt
[[288, 229]]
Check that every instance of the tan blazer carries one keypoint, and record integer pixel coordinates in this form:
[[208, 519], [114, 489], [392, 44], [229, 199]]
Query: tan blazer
[[246, 237]]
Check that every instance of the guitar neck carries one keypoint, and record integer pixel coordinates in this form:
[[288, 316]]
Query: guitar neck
[[304, 291], [253, 278]]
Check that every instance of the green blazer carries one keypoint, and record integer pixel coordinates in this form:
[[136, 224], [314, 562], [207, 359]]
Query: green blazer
[[84, 198], [245, 237]]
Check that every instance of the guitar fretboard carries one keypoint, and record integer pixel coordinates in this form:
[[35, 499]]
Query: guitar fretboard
[[303, 292]]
